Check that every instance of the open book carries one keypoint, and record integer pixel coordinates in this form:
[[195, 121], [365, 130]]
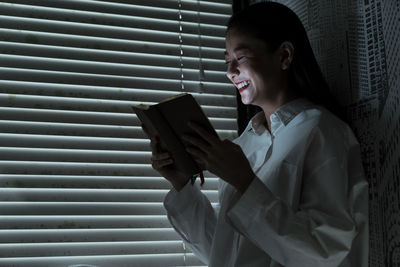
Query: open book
[[168, 120]]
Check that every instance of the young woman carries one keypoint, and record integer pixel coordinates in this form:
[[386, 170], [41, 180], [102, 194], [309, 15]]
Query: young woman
[[292, 189]]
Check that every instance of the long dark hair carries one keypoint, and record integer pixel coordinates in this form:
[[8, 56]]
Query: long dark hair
[[275, 23]]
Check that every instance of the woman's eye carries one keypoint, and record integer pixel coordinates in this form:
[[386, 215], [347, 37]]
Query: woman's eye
[[240, 58]]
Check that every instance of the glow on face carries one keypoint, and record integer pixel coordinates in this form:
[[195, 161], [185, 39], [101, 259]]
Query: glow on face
[[251, 68]]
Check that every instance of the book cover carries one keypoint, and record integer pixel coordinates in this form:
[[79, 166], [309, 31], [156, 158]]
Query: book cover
[[168, 120]]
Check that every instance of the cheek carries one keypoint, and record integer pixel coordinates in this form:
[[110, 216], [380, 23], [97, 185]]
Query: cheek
[[257, 77], [257, 68], [266, 76]]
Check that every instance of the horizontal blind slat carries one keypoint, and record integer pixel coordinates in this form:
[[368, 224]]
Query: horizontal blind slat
[[127, 57], [62, 77], [87, 181], [146, 260], [92, 221], [73, 142], [92, 248], [80, 114], [74, 155], [220, 7], [87, 235], [101, 68], [70, 129], [81, 208], [89, 117], [89, 195], [73, 168], [14, 88]]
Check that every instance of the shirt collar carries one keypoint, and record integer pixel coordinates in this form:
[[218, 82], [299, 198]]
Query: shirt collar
[[282, 116]]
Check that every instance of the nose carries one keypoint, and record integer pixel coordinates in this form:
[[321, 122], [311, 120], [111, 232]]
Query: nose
[[232, 70]]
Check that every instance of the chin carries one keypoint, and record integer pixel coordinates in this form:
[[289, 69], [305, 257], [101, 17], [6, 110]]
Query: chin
[[245, 97], [245, 101]]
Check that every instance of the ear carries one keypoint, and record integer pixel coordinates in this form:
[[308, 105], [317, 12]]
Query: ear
[[286, 51]]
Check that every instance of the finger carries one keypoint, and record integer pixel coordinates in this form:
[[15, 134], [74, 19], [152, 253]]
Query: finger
[[206, 135]]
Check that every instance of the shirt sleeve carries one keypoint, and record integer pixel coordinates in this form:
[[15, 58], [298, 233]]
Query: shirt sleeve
[[321, 231], [193, 218]]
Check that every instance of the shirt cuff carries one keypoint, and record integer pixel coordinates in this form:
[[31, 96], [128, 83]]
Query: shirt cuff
[[176, 202], [256, 197]]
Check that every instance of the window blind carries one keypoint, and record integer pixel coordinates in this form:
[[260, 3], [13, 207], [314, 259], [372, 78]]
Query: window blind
[[76, 184]]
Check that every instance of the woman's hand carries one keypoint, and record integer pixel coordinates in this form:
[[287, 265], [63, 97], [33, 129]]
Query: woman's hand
[[223, 158], [162, 162]]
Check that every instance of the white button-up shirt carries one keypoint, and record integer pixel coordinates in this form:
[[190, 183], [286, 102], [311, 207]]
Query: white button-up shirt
[[307, 206]]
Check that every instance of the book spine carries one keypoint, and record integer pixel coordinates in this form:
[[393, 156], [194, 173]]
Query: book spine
[[143, 115]]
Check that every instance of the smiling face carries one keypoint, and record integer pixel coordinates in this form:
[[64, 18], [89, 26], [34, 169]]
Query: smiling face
[[256, 72]]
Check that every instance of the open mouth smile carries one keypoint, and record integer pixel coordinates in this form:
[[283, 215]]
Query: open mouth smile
[[243, 85]]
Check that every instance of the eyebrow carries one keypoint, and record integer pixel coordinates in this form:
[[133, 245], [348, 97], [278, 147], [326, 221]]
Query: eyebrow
[[238, 48]]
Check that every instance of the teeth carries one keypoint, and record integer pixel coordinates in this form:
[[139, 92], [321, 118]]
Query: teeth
[[242, 84]]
